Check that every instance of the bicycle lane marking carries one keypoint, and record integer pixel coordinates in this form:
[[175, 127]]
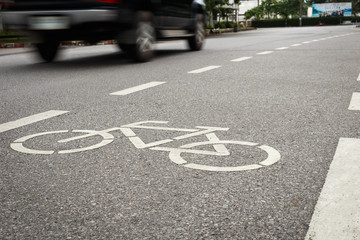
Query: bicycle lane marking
[[174, 153], [30, 119], [220, 150], [17, 145], [337, 212]]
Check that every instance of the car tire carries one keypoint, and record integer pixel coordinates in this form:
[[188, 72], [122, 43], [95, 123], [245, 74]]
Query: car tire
[[125, 47], [48, 50], [196, 41], [143, 49]]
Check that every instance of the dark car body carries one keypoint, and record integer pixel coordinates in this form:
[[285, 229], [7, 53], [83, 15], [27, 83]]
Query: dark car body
[[130, 22]]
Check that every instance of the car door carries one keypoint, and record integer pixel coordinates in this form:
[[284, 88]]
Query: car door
[[177, 13]]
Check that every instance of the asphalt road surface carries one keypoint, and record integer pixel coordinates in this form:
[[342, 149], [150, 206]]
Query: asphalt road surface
[[232, 142]]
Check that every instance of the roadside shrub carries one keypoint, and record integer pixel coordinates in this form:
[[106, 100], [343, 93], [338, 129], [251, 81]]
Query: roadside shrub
[[229, 24], [220, 25]]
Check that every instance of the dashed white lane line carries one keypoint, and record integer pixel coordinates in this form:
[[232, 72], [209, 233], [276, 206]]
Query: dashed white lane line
[[355, 102], [137, 88], [296, 45], [282, 48], [264, 53], [358, 78], [29, 120], [337, 212], [306, 42], [204, 69], [241, 59]]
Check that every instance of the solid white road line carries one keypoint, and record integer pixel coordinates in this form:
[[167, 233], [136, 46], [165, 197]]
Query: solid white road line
[[241, 59], [358, 78], [306, 42], [264, 53], [137, 88], [337, 212], [296, 45], [355, 101], [29, 120], [204, 69], [282, 48]]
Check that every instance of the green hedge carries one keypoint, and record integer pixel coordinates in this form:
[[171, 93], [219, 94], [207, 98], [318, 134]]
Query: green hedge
[[225, 25], [305, 22]]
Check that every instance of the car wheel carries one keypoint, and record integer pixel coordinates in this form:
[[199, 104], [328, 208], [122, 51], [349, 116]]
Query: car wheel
[[143, 49], [196, 42], [48, 50]]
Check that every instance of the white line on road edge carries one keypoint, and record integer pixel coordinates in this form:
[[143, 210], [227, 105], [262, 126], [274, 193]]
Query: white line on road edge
[[137, 88], [282, 48], [241, 59], [337, 212], [358, 78], [264, 53], [29, 120], [296, 45], [204, 69], [355, 101]]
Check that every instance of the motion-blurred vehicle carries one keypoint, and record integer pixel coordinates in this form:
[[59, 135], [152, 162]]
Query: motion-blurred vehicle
[[135, 24]]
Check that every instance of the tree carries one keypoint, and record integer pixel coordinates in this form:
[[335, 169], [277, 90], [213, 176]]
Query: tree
[[257, 13], [237, 3], [268, 7], [213, 7], [355, 7], [286, 8]]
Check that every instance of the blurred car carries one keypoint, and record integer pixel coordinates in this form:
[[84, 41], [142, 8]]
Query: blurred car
[[135, 24]]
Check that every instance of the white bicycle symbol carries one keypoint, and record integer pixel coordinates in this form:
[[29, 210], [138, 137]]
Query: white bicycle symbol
[[174, 153]]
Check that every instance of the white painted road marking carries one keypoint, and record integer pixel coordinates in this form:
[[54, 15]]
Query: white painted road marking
[[306, 42], [137, 88], [296, 45], [282, 48], [174, 153], [264, 53], [204, 69], [17, 145], [358, 78], [241, 59], [355, 101], [29, 120], [220, 150], [337, 212]]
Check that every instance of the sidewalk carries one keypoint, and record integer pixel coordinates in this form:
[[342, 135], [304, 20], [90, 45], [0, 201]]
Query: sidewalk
[[8, 51]]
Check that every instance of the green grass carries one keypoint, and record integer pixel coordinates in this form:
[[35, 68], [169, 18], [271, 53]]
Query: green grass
[[13, 37], [13, 40]]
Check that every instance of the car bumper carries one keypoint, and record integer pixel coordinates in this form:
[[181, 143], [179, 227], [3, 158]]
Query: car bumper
[[23, 20]]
